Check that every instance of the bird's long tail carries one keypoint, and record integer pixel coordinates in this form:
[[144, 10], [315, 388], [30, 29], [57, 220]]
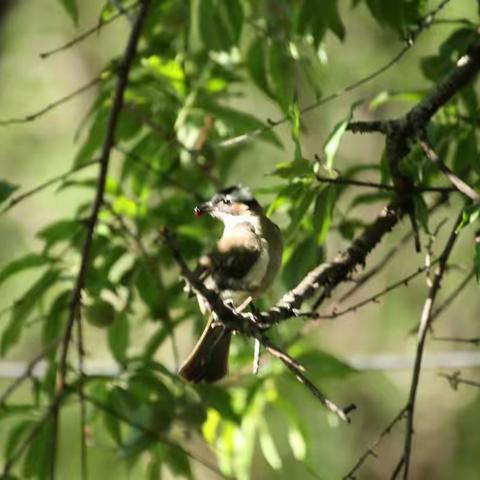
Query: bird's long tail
[[209, 359]]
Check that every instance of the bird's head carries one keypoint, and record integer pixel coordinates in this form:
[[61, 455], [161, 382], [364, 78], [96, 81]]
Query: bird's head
[[236, 201]]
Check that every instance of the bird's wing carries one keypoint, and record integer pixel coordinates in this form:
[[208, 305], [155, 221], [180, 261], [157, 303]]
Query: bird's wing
[[233, 258]]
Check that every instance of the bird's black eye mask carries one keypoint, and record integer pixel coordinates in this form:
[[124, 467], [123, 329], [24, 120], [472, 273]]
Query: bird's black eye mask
[[236, 193]]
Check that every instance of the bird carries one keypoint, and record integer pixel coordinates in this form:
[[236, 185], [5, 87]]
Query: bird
[[241, 266]]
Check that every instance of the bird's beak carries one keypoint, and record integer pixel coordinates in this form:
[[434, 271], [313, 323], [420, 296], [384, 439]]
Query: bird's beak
[[199, 210]]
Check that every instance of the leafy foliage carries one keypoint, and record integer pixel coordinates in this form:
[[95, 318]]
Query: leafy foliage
[[174, 145]]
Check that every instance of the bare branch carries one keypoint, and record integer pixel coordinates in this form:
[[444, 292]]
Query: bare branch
[[422, 335], [33, 116], [96, 206], [363, 279], [472, 340], [459, 184], [88, 32], [39, 188], [374, 298], [454, 379], [28, 372], [371, 449], [380, 186]]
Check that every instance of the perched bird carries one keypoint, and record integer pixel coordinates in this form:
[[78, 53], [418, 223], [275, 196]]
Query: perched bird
[[242, 266]]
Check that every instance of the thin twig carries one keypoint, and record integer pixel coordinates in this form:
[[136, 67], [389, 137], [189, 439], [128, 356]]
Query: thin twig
[[422, 335], [374, 298], [363, 279], [29, 369], [454, 379], [87, 33], [448, 301], [52, 181], [472, 340], [380, 186], [108, 143], [371, 449], [459, 184], [33, 116], [298, 371]]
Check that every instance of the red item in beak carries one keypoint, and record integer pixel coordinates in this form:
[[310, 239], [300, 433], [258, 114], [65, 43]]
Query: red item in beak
[[198, 212]]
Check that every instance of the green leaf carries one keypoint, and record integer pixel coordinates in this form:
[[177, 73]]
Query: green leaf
[[238, 122], [32, 260], [37, 460], [6, 190], [257, 66], [268, 446], [177, 462], [299, 210], [385, 97], [71, 7], [300, 257], [281, 69], [333, 142], [220, 23], [316, 16], [421, 212], [23, 309], [118, 337], [60, 231], [219, 399], [400, 16], [290, 170], [321, 365], [298, 438], [56, 318], [15, 436], [323, 212]]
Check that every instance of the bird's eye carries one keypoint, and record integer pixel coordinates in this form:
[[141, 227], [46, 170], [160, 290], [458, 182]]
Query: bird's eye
[[227, 201]]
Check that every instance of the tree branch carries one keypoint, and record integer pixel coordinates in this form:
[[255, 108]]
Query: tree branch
[[371, 450], [459, 184], [374, 298], [87, 33], [97, 203], [380, 186], [39, 188], [422, 335], [454, 379], [33, 116]]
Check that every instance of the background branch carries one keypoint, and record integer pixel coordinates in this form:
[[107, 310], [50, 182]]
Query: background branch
[[97, 203]]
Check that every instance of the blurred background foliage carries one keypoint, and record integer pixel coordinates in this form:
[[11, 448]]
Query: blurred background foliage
[[207, 72]]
